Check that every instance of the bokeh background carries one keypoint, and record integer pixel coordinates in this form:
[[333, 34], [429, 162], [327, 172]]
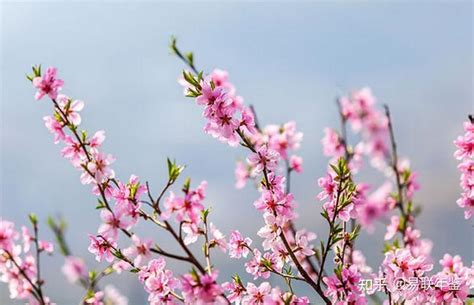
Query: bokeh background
[[288, 59]]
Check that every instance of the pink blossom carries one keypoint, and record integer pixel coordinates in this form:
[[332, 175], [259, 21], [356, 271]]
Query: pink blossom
[[70, 108], [7, 235], [188, 207], [271, 231], [345, 287], [27, 238], [276, 183], [260, 265], [357, 107], [158, 281], [102, 248], [393, 227], [220, 78], [210, 95], [55, 128], [96, 141], [235, 289], [467, 203], [411, 185], [73, 151], [47, 84], [111, 223], [256, 295], [451, 264], [465, 144], [140, 249], [74, 268], [192, 232], [223, 125], [282, 138], [201, 290], [248, 121], [98, 170], [332, 143], [238, 246], [329, 187], [217, 238], [264, 158], [96, 299], [45, 246], [467, 176], [119, 266], [400, 264], [370, 212], [242, 173], [443, 294], [343, 214], [411, 236], [296, 163], [302, 243], [209, 289], [465, 153], [373, 207], [276, 202]]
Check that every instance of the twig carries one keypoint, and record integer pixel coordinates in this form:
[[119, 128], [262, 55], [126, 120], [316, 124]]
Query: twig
[[38, 263], [394, 165], [35, 291]]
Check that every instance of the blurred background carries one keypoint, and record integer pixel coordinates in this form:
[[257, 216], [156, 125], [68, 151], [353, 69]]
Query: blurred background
[[290, 60]]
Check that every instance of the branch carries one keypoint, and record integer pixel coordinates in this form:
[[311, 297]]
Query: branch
[[394, 165], [35, 292], [38, 262]]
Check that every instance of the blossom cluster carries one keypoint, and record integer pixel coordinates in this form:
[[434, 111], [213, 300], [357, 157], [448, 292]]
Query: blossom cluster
[[19, 264], [335, 270], [360, 112], [406, 278], [122, 205], [465, 153], [270, 150]]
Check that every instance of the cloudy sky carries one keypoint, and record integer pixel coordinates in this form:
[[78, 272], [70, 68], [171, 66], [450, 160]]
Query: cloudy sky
[[287, 59]]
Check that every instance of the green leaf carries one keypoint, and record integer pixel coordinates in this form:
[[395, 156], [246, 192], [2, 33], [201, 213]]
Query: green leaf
[[92, 275], [33, 218], [36, 70], [186, 185], [355, 233], [322, 247], [100, 205], [174, 170], [204, 214], [51, 224], [334, 168], [189, 77], [192, 93], [189, 56], [237, 280], [173, 47]]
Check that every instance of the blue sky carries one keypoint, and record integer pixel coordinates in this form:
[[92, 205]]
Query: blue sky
[[287, 59]]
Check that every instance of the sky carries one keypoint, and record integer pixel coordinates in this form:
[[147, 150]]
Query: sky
[[288, 59]]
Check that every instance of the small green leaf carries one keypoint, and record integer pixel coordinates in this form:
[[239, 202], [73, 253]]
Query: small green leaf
[[190, 57], [204, 214], [186, 185], [92, 275], [100, 204], [33, 219]]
